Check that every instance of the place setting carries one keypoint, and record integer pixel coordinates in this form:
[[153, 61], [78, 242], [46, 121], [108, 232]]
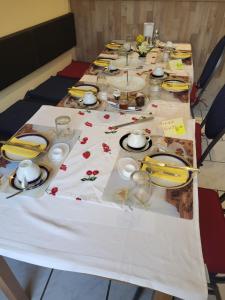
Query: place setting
[[159, 165], [32, 157]]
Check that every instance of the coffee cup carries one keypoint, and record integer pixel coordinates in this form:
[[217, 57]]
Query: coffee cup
[[112, 68], [137, 139], [126, 166], [89, 98], [158, 72], [27, 173]]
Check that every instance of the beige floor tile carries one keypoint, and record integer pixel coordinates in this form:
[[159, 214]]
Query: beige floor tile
[[212, 175], [218, 152]]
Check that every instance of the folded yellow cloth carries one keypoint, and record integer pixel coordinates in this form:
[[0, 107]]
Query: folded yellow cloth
[[101, 63], [113, 46], [181, 55], [175, 86], [168, 173], [78, 92], [22, 151]]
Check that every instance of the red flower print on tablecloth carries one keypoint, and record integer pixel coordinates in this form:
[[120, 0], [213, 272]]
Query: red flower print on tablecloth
[[154, 105], [86, 154], [92, 175], [134, 119], [147, 130], [111, 130], [63, 167], [106, 148], [78, 199], [106, 116], [54, 190], [84, 140], [81, 113], [88, 124]]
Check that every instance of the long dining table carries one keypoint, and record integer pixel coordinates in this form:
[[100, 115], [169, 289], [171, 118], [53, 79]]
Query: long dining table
[[72, 226]]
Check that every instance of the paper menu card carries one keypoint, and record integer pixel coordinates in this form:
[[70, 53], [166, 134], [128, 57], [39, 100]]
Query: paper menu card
[[173, 127]]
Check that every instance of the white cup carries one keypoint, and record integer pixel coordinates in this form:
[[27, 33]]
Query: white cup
[[89, 98], [27, 173], [126, 166], [112, 67], [57, 153], [137, 139], [158, 72]]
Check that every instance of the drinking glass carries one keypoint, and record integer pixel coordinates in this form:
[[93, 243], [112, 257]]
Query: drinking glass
[[102, 82], [63, 128], [140, 194]]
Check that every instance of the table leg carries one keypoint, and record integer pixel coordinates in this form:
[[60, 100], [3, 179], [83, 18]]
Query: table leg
[[161, 296], [9, 284]]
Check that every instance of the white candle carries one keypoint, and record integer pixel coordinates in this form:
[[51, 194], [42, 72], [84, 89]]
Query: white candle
[[148, 29]]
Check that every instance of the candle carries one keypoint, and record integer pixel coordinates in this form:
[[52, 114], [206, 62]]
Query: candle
[[148, 29]]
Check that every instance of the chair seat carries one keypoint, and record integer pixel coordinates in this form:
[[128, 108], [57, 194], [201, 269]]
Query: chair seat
[[198, 141], [74, 70], [15, 116], [193, 95], [51, 91], [212, 229]]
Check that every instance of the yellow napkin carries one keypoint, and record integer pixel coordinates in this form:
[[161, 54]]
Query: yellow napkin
[[175, 86], [78, 92], [171, 174], [113, 46], [181, 55], [21, 151], [101, 63]]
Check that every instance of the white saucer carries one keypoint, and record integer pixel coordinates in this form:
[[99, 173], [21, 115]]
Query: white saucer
[[14, 182], [65, 150]]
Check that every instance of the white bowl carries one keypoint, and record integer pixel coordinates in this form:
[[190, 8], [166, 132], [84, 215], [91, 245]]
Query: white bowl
[[126, 166]]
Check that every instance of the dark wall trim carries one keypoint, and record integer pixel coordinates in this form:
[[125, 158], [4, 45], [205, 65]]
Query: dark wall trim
[[27, 50]]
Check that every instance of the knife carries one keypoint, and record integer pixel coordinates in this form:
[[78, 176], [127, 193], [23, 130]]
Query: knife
[[143, 119]]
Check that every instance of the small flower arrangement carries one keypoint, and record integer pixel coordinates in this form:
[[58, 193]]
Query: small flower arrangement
[[140, 39], [143, 49]]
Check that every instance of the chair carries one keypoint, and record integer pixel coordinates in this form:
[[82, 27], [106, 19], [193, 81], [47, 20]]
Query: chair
[[212, 230], [15, 116], [213, 62], [50, 91], [214, 123], [74, 70]]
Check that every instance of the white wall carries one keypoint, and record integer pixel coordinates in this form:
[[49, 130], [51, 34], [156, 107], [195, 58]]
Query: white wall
[[16, 15]]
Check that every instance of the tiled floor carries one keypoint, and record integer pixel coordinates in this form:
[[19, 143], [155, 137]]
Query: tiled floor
[[75, 286]]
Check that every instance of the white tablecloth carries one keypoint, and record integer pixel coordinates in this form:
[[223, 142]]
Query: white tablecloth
[[64, 232]]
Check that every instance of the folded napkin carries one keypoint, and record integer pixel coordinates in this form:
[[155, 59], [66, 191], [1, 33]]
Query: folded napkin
[[113, 46], [175, 86], [168, 173], [101, 63], [78, 92], [22, 151], [181, 55]]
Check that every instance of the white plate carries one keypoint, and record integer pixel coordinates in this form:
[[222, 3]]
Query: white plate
[[65, 150], [135, 83], [35, 138], [173, 160]]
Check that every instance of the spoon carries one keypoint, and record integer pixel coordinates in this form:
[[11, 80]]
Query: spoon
[[26, 189]]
